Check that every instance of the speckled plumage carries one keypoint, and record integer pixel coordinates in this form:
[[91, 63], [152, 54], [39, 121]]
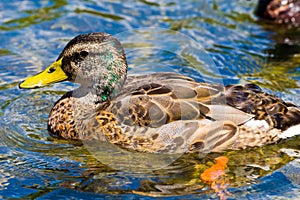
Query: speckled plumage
[[160, 112]]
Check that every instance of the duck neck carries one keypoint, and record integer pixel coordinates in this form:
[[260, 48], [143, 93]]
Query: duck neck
[[111, 80], [110, 85], [102, 92], [107, 85]]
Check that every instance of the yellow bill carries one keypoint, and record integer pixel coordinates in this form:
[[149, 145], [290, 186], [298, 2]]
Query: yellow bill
[[51, 74]]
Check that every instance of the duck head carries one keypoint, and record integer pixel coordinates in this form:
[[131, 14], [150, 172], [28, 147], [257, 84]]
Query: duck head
[[96, 61]]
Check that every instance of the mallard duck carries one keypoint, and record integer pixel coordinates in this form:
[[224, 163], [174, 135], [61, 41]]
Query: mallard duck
[[159, 112], [280, 11]]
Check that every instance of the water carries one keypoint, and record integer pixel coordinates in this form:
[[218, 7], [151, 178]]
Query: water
[[213, 41]]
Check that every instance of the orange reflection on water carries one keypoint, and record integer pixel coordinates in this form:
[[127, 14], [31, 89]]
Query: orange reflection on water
[[215, 177]]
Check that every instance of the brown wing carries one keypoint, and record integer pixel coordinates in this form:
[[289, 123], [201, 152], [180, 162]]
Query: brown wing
[[161, 98], [251, 99]]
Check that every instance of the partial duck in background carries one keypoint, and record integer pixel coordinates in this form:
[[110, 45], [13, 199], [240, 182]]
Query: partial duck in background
[[280, 11]]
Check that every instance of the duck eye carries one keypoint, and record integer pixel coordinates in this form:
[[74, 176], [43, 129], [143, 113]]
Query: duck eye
[[52, 69], [80, 56], [84, 53]]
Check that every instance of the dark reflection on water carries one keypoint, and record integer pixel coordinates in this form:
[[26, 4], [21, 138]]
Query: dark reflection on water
[[243, 49]]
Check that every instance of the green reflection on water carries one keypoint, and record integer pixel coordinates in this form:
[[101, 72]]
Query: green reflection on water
[[35, 16], [5, 52], [98, 13], [277, 76], [149, 3]]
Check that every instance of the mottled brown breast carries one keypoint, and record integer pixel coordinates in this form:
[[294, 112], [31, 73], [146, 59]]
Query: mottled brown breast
[[72, 118], [61, 121]]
